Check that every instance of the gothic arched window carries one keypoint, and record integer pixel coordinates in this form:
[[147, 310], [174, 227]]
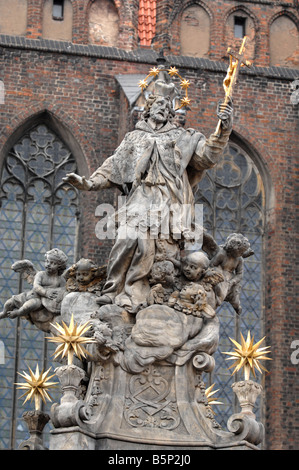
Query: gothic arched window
[[38, 212], [232, 194]]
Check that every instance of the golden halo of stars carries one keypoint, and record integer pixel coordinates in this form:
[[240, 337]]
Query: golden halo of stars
[[173, 72]]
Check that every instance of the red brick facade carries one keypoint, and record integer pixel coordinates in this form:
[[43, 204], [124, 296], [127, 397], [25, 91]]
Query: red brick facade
[[76, 85]]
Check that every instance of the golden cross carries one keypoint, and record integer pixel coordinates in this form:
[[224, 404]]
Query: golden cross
[[236, 60]]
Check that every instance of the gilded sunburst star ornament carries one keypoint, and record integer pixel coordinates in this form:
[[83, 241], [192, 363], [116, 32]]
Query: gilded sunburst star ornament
[[71, 340], [248, 355], [209, 393], [37, 385]]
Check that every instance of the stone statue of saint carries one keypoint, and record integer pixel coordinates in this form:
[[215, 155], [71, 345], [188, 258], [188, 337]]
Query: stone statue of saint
[[156, 165], [157, 328]]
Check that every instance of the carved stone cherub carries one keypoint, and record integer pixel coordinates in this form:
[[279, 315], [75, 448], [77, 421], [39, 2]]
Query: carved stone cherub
[[163, 282], [229, 259], [85, 276], [209, 280], [191, 300], [48, 286], [194, 265]]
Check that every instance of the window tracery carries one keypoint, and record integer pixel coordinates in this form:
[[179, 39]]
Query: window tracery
[[232, 194], [38, 212]]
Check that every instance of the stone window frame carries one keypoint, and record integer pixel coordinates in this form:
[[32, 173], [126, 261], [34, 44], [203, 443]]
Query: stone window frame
[[242, 23], [58, 3]]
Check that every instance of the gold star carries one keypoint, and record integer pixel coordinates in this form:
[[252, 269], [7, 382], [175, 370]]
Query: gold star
[[247, 355], [142, 84], [173, 71], [185, 101], [154, 72], [36, 386], [185, 83], [209, 392], [71, 340]]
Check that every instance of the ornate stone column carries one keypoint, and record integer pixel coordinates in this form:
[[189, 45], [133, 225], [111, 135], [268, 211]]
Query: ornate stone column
[[71, 410]]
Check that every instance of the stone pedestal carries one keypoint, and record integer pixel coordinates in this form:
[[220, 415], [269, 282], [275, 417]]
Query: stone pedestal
[[162, 407], [144, 388], [36, 421], [71, 409]]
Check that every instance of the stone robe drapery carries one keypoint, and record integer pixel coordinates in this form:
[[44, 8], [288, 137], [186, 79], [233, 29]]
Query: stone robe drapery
[[162, 333], [156, 169]]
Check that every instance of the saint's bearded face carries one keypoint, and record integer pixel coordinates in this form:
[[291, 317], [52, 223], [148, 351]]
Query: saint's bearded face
[[159, 111]]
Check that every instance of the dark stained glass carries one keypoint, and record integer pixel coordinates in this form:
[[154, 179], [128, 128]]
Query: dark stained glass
[[38, 212], [232, 195]]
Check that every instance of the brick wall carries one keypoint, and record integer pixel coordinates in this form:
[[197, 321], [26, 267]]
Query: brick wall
[[127, 11], [76, 84], [261, 14]]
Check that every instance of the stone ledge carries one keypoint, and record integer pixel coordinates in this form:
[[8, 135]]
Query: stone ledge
[[138, 55], [77, 439]]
